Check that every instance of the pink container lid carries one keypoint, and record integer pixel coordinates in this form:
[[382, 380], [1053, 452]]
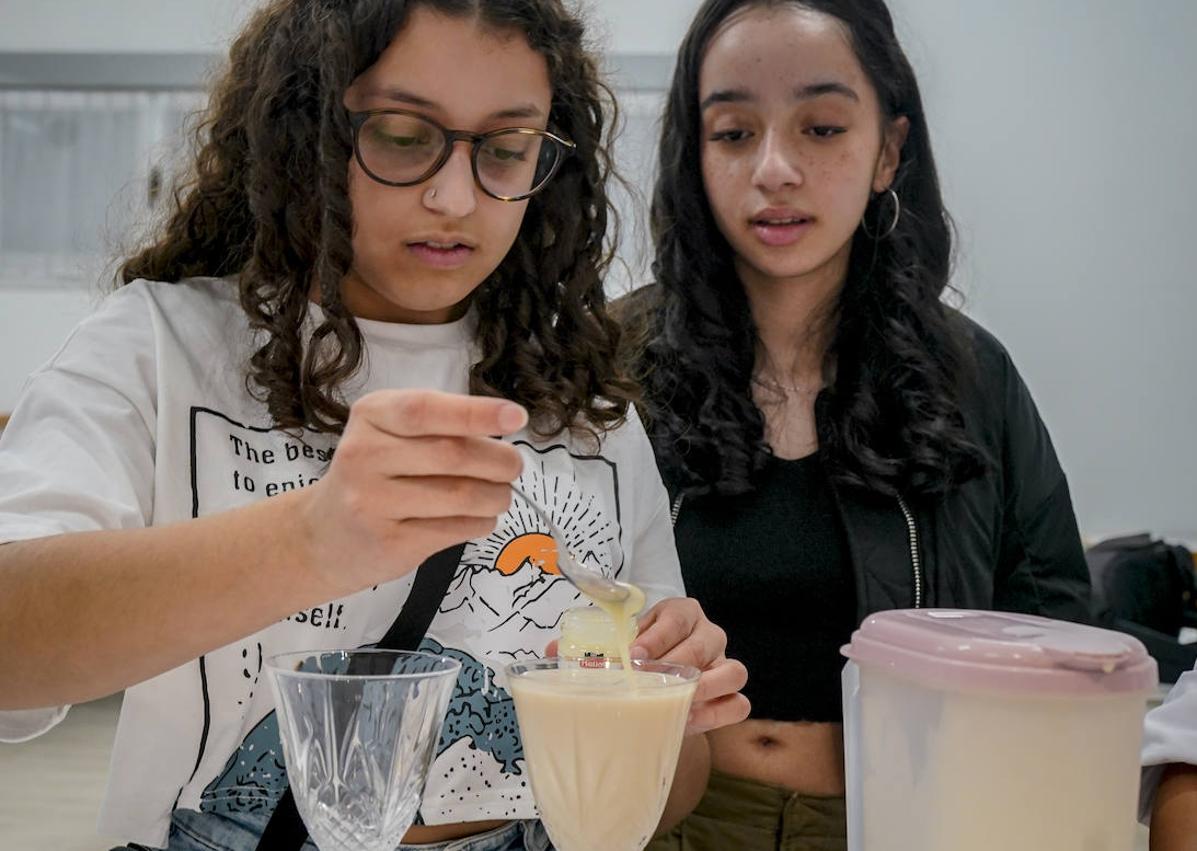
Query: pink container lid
[[963, 650]]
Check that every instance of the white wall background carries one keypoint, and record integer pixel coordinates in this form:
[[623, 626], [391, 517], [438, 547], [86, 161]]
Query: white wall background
[[1066, 136], [119, 26]]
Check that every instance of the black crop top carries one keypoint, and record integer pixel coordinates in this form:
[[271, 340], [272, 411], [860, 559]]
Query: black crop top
[[771, 567]]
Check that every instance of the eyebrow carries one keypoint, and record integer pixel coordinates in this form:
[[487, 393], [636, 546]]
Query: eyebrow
[[814, 90], [525, 110]]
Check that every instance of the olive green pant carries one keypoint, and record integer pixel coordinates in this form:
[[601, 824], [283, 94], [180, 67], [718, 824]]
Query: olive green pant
[[743, 815]]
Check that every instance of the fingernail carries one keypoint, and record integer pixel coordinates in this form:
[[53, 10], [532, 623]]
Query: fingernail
[[512, 418], [638, 652]]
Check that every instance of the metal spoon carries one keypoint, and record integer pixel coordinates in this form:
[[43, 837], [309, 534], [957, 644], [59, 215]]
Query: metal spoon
[[587, 580]]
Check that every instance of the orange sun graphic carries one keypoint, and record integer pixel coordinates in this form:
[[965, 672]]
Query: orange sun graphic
[[536, 547]]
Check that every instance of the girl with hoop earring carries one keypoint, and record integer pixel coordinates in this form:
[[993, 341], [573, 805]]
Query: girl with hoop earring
[[835, 438]]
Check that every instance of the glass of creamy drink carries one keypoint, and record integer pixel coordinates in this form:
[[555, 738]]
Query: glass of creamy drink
[[601, 745]]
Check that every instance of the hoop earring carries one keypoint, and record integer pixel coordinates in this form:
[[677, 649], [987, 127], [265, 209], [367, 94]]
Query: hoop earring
[[892, 225]]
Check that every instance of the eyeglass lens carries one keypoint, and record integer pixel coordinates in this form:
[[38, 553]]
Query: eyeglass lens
[[405, 149]]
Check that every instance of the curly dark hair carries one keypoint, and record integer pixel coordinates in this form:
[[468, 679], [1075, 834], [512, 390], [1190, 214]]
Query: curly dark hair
[[889, 419], [268, 202]]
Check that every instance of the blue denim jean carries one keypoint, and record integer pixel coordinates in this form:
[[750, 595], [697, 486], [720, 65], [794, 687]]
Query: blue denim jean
[[193, 831]]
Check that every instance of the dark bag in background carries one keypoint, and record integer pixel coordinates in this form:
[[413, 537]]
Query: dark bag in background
[[1147, 588]]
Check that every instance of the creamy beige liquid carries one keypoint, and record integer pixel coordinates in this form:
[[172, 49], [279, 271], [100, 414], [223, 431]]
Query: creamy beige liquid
[[953, 771], [601, 756]]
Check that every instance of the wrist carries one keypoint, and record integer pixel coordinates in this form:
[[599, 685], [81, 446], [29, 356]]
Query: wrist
[[294, 517]]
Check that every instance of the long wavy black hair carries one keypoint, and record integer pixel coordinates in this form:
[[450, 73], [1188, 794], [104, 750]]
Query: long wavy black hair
[[889, 419], [268, 202]]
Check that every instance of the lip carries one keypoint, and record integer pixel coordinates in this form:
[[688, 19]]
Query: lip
[[442, 237], [427, 248], [762, 224], [440, 258]]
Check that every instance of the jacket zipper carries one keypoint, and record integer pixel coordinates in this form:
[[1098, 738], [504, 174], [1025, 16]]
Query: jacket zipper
[[676, 510], [912, 532]]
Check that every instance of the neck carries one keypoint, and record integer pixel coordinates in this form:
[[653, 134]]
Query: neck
[[363, 302], [795, 320]]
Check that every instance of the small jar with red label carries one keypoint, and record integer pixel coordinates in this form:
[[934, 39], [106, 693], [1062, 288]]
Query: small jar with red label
[[588, 637]]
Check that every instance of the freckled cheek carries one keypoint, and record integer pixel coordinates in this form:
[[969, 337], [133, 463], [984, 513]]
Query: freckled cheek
[[710, 171], [843, 180], [724, 195], [725, 181], [856, 167]]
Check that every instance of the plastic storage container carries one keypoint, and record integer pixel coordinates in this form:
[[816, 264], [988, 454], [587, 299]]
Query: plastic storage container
[[988, 731]]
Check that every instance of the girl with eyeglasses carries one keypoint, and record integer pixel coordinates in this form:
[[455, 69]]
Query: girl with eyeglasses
[[836, 439], [376, 303]]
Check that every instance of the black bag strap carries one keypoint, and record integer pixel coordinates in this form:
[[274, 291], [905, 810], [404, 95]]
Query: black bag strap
[[285, 831]]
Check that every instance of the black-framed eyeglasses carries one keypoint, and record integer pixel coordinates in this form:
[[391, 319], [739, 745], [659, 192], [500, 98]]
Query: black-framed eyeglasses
[[401, 148]]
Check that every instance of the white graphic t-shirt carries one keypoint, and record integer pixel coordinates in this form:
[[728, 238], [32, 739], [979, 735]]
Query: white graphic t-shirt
[[143, 418]]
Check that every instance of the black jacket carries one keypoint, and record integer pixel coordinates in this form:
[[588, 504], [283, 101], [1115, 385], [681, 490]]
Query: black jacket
[[1007, 540]]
